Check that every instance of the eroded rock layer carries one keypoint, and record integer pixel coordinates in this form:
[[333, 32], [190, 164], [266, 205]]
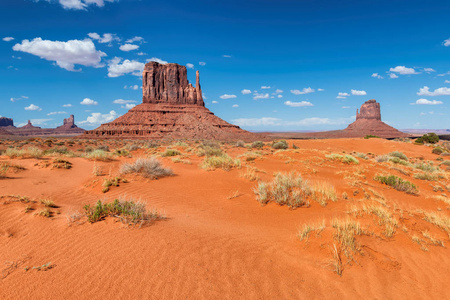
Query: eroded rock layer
[[67, 129], [172, 109]]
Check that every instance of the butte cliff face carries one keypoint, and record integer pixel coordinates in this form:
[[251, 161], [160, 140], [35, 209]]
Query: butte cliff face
[[171, 109], [368, 122], [67, 129], [5, 122]]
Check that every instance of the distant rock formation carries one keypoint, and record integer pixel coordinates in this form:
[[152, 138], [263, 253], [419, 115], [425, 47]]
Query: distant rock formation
[[67, 129], [4, 122], [171, 109], [4, 132]]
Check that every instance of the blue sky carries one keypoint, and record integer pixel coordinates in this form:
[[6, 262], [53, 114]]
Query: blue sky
[[264, 65]]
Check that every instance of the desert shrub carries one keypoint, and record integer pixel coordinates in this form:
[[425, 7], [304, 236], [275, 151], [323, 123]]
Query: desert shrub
[[399, 161], [61, 164], [45, 212], [426, 167], [323, 192], [344, 233], [129, 212], [209, 151], [240, 144], [133, 147], [426, 176], [210, 144], [48, 203], [285, 189], [146, 167], [181, 144], [446, 163], [99, 155], [257, 144], [370, 136], [361, 155], [31, 152], [382, 158], [57, 150], [430, 138], [103, 148], [171, 152], [399, 155], [152, 144], [437, 150], [223, 161], [88, 149], [397, 183], [280, 145], [121, 152], [347, 159]]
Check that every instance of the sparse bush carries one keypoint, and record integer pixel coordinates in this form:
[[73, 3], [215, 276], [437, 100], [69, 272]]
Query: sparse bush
[[430, 138], [121, 152], [426, 176], [382, 158], [99, 155], [399, 155], [171, 152], [347, 159], [370, 136], [361, 155], [345, 233], [48, 203], [240, 144], [209, 151], [323, 192], [399, 161], [397, 183], [45, 212], [426, 167], [103, 148], [285, 189], [146, 167], [280, 145], [224, 162], [61, 164], [437, 150], [257, 144]]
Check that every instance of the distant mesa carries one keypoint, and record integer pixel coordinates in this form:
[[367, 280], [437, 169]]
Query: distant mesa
[[67, 129], [171, 109]]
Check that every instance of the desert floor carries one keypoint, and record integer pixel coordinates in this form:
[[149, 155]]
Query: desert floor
[[215, 239]]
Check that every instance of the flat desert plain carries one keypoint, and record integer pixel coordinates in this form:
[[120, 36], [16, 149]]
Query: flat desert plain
[[346, 218]]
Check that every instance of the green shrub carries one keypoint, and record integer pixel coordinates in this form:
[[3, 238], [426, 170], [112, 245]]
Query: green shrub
[[146, 167], [399, 161], [257, 144], [370, 136], [280, 145], [171, 152], [426, 176], [98, 155], [430, 138], [397, 183], [347, 159], [437, 150], [399, 155]]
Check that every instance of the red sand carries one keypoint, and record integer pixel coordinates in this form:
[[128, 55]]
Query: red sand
[[211, 246]]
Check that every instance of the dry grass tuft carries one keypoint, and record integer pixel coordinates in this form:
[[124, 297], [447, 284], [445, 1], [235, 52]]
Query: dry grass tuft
[[303, 233], [146, 167], [323, 192], [345, 233]]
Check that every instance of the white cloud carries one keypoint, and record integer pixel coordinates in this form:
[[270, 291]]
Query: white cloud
[[16, 99], [128, 47], [106, 38], [35, 122], [99, 118], [265, 87], [65, 54], [376, 75], [189, 66], [280, 96], [215, 102], [56, 113], [135, 39], [246, 92], [129, 106], [118, 68], [427, 102], [425, 91], [303, 91], [298, 104], [8, 39], [235, 105], [121, 101], [342, 95], [87, 101], [67, 105], [429, 70], [132, 87], [358, 93], [446, 42], [79, 4], [278, 91], [141, 53], [158, 60], [226, 56], [393, 76], [226, 96], [202, 63], [33, 107], [447, 81], [345, 107], [320, 90], [403, 70], [257, 96]]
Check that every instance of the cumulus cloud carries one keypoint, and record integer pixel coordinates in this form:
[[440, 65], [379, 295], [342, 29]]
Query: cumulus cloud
[[235, 105], [33, 107], [393, 76], [99, 118], [269, 121], [278, 91], [79, 4], [342, 95], [67, 105], [246, 92], [226, 96], [135, 39], [303, 91], [202, 63], [128, 106], [425, 91], [158, 60], [427, 102], [121, 101], [56, 113], [65, 54], [105, 39], [8, 39], [446, 42], [17, 99], [118, 68], [358, 93], [87, 101], [280, 96], [429, 70], [189, 66], [403, 70], [265, 87], [298, 104], [447, 81], [376, 75], [132, 87], [128, 47], [214, 102], [257, 96]]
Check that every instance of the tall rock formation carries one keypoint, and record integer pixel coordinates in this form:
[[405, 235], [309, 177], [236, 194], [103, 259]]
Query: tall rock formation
[[67, 129], [5, 122], [171, 109]]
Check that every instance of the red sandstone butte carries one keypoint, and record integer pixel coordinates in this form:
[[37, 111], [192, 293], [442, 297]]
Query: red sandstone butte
[[171, 109]]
